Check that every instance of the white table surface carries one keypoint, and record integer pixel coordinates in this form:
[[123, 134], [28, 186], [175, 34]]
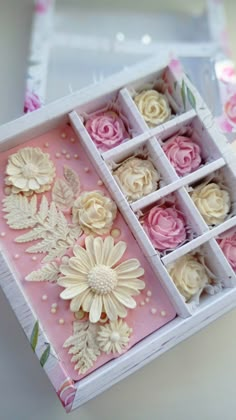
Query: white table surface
[[194, 381]]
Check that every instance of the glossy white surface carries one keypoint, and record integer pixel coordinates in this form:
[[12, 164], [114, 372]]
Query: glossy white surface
[[195, 380]]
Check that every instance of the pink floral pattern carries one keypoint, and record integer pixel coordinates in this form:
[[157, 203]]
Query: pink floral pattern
[[66, 393], [230, 110], [32, 102]]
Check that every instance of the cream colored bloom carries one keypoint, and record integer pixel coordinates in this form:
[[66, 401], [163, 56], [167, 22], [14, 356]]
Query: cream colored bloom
[[95, 212], [137, 178], [95, 282], [189, 275], [114, 337], [30, 170], [212, 201], [153, 106]]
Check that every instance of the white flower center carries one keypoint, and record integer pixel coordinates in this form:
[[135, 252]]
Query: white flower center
[[102, 279], [115, 337], [29, 170]]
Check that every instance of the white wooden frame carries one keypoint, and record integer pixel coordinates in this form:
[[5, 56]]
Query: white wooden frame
[[189, 319]]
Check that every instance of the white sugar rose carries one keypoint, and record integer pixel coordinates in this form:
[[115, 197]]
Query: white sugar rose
[[213, 202], [153, 106], [189, 275], [94, 212], [137, 178]]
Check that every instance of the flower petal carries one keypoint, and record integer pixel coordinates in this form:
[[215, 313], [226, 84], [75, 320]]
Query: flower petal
[[33, 184], [20, 183], [90, 250], [116, 253], [108, 244], [109, 307], [121, 310], [70, 281], [129, 291], [78, 301], [134, 283], [82, 254], [71, 272], [76, 264], [73, 291], [98, 250], [128, 265], [96, 309], [88, 302], [125, 299]]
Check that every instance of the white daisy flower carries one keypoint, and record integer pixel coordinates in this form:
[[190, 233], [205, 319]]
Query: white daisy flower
[[94, 282], [114, 337]]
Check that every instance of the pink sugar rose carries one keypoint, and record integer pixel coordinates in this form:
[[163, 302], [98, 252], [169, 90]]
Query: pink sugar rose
[[228, 246], [106, 129], [165, 227], [183, 154], [32, 102]]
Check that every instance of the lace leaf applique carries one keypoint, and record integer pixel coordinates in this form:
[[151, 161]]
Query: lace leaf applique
[[72, 179], [83, 345], [49, 272], [62, 194], [66, 190], [48, 225], [21, 212]]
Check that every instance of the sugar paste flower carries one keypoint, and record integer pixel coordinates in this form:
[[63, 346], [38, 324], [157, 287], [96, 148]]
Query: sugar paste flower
[[137, 178], [228, 246], [212, 201], [166, 227], [29, 170], [153, 106], [189, 275], [114, 337], [94, 282], [106, 129], [183, 153], [94, 212]]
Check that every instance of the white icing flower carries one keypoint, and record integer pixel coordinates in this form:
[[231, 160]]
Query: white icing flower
[[114, 337], [212, 201], [30, 170], [137, 178], [95, 282], [189, 275], [94, 212], [153, 106]]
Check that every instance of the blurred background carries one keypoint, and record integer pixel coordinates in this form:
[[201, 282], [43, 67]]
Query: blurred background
[[195, 380]]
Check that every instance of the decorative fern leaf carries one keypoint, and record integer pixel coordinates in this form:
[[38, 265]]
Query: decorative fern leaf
[[62, 194], [83, 345], [43, 209], [72, 179], [49, 272], [21, 212], [52, 230]]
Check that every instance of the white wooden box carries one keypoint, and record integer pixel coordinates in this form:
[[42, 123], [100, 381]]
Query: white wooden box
[[217, 156]]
